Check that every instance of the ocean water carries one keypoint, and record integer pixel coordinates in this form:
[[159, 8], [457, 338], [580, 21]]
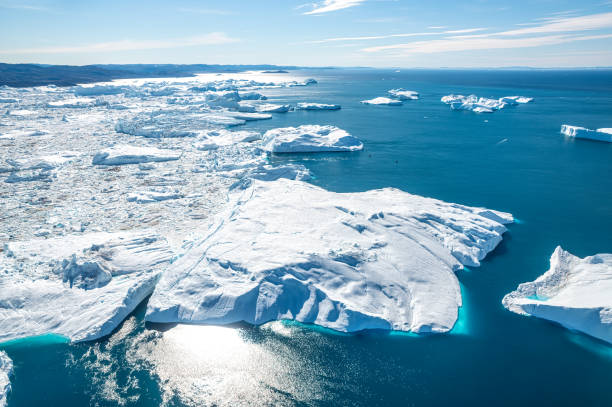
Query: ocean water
[[515, 160]]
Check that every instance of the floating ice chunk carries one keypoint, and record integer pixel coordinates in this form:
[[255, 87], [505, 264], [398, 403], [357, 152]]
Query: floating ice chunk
[[80, 287], [272, 108], [21, 112], [219, 138], [226, 99], [8, 100], [317, 106], [383, 101], [93, 90], [403, 94], [250, 116], [152, 196], [78, 102], [6, 371], [22, 133], [251, 96], [150, 129], [482, 105], [517, 99], [126, 154], [481, 109], [603, 134], [382, 259], [41, 162], [309, 139], [574, 292]]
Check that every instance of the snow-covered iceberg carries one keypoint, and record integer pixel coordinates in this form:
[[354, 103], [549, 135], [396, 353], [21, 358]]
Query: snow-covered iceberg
[[77, 286], [126, 154], [603, 134], [309, 139], [381, 259], [574, 292], [273, 108], [316, 106], [403, 94], [482, 105], [6, 371], [152, 196], [214, 139], [383, 101]]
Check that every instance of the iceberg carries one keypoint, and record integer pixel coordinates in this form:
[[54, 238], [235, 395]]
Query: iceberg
[[603, 134], [284, 249], [250, 116], [317, 106], [152, 196], [272, 108], [383, 101], [403, 94], [309, 139], [6, 371], [251, 96], [95, 90], [78, 102], [482, 105], [574, 292], [219, 138], [150, 129], [77, 286], [126, 154]]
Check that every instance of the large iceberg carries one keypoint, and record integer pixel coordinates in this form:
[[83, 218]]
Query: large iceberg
[[309, 139], [574, 292], [403, 94], [77, 286], [381, 259], [383, 101], [126, 154], [603, 134], [482, 105], [6, 370], [316, 106]]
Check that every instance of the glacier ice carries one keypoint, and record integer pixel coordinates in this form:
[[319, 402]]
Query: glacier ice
[[127, 154], [381, 259], [403, 94], [603, 134], [309, 139], [316, 106], [77, 286], [574, 292], [6, 371], [482, 105], [383, 101]]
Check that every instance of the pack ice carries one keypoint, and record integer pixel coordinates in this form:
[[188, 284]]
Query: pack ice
[[574, 292], [604, 134], [309, 139], [483, 105], [126, 154], [80, 287], [6, 370], [381, 259]]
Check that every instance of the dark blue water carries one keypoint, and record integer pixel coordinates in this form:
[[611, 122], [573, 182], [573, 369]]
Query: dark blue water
[[514, 160]]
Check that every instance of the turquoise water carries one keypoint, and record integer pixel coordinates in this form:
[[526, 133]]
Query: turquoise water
[[513, 160]]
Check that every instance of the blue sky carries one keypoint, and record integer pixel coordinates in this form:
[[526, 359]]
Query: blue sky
[[378, 33]]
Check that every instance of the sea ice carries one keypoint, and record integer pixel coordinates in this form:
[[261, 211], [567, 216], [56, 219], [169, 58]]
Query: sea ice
[[6, 371], [78, 286], [574, 292], [78, 102], [152, 196], [382, 101], [214, 139], [251, 96], [381, 259], [126, 154], [403, 94], [602, 134], [317, 106], [309, 139]]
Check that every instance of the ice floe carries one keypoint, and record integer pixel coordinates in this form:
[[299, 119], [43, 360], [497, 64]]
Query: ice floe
[[77, 286], [574, 292], [316, 106], [381, 259], [6, 371], [273, 108], [152, 196], [482, 105], [127, 154], [403, 94], [214, 139], [309, 139], [383, 101], [78, 102], [603, 134]]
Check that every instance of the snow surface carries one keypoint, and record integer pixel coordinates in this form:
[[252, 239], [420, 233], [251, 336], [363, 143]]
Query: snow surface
[[574, 292], [603, 134], [126, 154], [482, 105], [403, 94], [316, 106], [383, 101], [6, 371], [381, 259], [309, 139], [80, 287]]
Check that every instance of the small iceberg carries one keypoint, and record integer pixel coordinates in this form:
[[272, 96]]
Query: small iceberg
[[603, 134], [152, 196], [126, 154], [403, 94], [482, 105], [309, 139], [6, 371], [383, 101], [272, 108], [221, 138], [316, 106], [574, 292]]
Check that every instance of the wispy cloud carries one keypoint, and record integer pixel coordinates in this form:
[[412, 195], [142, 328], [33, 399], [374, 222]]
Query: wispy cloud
[[214, 38], [18, 6], [333, 5], [381, 37], [209, 11]]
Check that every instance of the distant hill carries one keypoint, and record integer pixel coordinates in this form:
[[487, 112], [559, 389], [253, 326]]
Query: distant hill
[[24, 75]]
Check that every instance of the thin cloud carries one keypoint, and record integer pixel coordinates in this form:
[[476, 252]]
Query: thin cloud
[[214, 38], [334, 5], [381, 37], [27, 7], [209, 11]]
